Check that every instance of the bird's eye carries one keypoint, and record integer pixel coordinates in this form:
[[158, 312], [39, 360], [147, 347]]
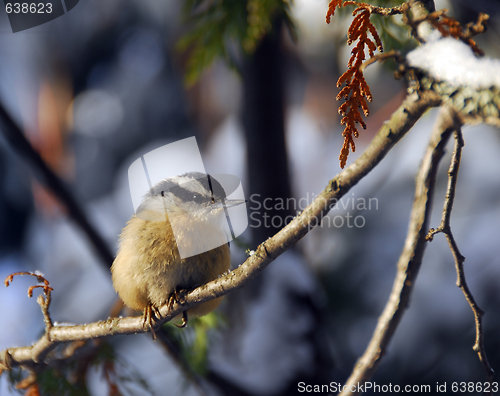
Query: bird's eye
[[163, 193], [213, 199]]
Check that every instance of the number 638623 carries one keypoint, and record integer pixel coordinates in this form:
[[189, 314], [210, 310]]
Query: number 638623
[[28, 8]]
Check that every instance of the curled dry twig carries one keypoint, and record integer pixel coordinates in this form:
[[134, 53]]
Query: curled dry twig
[[44, 302], [29, 382]]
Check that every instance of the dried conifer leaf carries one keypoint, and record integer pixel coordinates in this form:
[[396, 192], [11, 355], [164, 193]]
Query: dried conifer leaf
[[356, 93]]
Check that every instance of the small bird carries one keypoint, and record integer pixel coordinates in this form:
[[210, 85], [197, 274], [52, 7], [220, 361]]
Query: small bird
[[148, 270]]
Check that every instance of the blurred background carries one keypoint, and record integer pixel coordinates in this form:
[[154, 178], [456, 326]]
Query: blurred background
[[98, 87]]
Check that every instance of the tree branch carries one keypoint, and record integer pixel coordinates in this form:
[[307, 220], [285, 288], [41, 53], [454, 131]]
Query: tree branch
[[410, 259], [384, 11], [401, 122], [381, 57], [16, 138], [445, 228]]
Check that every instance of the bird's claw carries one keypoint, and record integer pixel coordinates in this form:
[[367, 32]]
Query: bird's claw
[[150, 313], [176, 297]]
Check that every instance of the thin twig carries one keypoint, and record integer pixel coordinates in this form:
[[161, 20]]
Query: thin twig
[[390, 133], [445, 228], [372, 9], [409, 261], [381, 57], [44, 302], [384, 11], [18, 141], [473, 29], [423, 15]]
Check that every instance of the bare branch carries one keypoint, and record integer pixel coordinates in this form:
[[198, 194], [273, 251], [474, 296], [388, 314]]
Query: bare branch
[[16, 138], [384, 11], [473, 29], [409, 261], [401, 122], [381, 57], [445, 228], [478, 312], [446, 25]]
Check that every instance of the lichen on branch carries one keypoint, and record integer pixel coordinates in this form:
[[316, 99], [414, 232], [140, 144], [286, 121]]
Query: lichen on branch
[[356, 91]]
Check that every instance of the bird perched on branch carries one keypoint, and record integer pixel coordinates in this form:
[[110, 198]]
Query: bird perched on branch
[[184, 213]]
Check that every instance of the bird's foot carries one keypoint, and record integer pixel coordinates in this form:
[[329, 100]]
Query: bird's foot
[[151, 313], [177, 297], [184, 320]]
